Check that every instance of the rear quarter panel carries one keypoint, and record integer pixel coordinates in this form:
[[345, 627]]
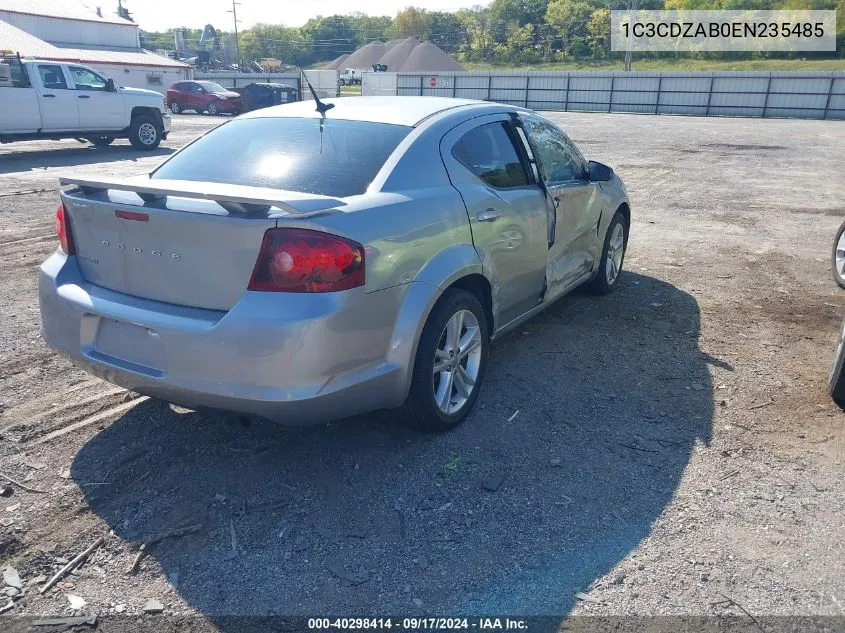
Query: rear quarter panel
[[408, 236], [416, 234], [416, 243]]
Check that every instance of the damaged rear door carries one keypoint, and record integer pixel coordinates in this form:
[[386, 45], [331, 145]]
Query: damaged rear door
[[507, 210]]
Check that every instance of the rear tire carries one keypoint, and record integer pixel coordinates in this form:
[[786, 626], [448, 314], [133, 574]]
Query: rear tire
[[469, 340], [175, 108], [838, 257], [612, 257], [144, 132], [836, 380], [102, 141]]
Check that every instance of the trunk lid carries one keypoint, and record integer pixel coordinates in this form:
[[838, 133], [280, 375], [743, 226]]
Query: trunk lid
[[179, 250]]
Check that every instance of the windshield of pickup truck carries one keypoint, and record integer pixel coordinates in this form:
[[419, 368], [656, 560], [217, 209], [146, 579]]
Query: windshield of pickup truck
[[210, 86]]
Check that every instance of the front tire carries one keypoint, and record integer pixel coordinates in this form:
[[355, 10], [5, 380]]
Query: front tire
[[450, 363], [836, 380], [212, 109], [838, 257], [612, 257], [144, 132]]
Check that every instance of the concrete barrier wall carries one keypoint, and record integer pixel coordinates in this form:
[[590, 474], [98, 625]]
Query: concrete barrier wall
[[810, 95]]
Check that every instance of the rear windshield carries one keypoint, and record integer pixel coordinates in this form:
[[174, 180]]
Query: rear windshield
[[289, 153]]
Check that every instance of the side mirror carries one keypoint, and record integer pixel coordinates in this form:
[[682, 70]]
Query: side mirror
[[599, 172], [110, 85]]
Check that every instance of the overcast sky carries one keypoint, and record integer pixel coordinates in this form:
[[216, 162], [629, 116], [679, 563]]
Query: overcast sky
[[160, 15]]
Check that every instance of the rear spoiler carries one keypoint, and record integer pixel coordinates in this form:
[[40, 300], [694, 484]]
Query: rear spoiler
[[236, 199]]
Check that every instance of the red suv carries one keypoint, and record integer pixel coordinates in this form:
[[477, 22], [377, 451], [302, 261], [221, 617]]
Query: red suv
[[203, 96]]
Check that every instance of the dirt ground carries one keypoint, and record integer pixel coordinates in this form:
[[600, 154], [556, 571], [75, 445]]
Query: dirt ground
[[666, 450]]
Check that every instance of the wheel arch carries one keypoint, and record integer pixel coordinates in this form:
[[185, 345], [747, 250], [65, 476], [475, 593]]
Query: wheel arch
[[456, 267], [149, 111], [480, 286]]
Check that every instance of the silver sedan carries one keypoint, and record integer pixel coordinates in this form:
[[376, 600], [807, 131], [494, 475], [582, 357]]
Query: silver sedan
[[303, 266]]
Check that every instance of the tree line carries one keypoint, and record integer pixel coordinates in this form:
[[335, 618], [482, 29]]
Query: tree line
[[506, 32]]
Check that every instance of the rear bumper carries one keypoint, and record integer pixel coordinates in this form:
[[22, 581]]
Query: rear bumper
[[296, 359]]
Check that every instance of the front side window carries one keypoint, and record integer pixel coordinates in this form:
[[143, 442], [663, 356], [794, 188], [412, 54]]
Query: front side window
[[85, 79], [52, 77], [488, 152], [338, 158], [559, 160]]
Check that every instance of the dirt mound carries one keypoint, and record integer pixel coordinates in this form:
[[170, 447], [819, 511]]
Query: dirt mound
[[337, 63], [365, 56], [398, 54], [427, 56]]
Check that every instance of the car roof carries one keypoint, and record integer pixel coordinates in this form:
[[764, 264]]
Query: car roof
[[394, 110]]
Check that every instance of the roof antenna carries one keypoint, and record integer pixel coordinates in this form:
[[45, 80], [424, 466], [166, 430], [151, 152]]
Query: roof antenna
[[322, 108]]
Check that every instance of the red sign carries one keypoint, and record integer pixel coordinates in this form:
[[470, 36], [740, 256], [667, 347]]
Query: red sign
[[433, 81]]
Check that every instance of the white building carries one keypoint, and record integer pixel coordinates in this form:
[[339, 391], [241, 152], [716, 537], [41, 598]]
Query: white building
[[67, 30]]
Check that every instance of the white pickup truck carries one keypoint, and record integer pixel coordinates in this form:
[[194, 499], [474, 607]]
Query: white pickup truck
[[52, 100]]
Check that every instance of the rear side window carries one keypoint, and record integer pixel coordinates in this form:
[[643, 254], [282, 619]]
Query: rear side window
[[289, 153], [52, 77], [488, 152]]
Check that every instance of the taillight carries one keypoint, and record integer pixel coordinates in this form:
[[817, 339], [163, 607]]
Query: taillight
[[299, 260], [63, 231]]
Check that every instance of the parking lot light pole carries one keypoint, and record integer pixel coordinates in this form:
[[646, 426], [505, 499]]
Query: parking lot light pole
[[234, 13], [631, 20]]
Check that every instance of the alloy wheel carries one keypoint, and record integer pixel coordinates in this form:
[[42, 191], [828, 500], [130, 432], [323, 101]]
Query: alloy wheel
[[457, 361], [615, 253]]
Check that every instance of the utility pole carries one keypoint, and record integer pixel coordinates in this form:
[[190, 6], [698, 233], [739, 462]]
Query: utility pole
[[634, 5], [234, 13]]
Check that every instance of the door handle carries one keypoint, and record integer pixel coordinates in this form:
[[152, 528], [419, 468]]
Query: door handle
[[51, 96], [488, 215], [83, 97]]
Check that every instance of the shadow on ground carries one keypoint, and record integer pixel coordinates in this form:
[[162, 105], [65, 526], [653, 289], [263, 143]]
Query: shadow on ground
[[72, 155], [504, 515]]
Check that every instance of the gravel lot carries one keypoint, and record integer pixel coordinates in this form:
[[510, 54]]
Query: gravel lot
[[669, 449]]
